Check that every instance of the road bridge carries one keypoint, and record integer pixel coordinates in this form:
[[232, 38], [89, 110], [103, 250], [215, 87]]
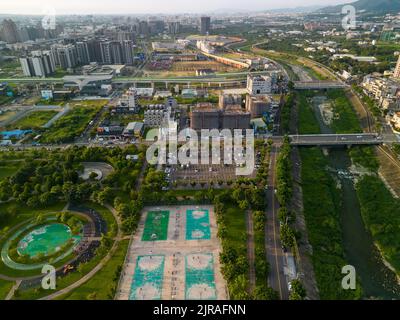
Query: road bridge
[[318, 85], [340, 139]]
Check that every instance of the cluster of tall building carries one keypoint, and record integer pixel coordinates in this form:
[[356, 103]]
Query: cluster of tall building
[[69, 56], [39, 64], [10, 33]]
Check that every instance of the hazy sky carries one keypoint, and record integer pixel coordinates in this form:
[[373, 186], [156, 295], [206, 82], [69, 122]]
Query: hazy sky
[[149, 6]]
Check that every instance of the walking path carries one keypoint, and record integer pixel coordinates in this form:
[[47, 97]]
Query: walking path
[[10, 295]]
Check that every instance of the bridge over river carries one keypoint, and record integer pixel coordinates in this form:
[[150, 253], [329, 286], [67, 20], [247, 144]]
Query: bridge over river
[[341, 139]]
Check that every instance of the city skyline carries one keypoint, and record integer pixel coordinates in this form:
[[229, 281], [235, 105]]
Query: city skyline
[[155, 6]]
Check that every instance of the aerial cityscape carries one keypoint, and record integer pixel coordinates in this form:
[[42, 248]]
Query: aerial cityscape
[[223, 150]]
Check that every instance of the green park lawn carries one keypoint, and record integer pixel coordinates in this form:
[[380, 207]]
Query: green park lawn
[[5, 287], [34, 120], [236, 228], [103, 284]]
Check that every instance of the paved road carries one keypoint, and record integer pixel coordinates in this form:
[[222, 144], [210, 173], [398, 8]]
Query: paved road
[[274, 252], [339, 139], [313, 85]]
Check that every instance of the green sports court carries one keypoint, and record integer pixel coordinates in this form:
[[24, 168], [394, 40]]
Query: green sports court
[[156, 226]]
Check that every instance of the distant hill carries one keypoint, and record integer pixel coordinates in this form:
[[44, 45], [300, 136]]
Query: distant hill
[[370, 6]]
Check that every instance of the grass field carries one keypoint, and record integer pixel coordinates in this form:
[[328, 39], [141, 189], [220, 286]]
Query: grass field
[[103, 284], [5, 287], [34, 120], [236, 229], [156, 224], [88, 103]]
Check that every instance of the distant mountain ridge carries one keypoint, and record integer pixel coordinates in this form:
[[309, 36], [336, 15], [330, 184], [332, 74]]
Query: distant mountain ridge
[[371, 6]]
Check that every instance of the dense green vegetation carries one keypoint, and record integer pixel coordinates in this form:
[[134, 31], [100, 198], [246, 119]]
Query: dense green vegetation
[[365, 157], [283, 175], [321, 204], [369, 102], [345, 120], [8, 169], [298, 292], [307, 121], [70, 126], [232, 232], [286, 113], [46, 178], [261, 265], [380, 211]]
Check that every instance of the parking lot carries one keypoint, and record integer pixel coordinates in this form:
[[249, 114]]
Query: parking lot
[[207, 173]]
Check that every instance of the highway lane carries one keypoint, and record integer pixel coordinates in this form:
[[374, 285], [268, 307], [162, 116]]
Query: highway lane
[[299, 140], [274, 253], [339, 139]]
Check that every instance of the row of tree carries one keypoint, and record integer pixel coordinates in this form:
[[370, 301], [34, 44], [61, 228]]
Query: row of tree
[[285, 215]]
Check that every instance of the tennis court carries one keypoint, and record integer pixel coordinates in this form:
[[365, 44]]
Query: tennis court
[[148, 278], [156, 226], [198, 224], [200, 280]]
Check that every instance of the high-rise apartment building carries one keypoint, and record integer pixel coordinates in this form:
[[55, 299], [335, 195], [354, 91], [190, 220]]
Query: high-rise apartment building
[[127, 52], [40, 64], [205, 25], [116, 52], [9, 31], [174, 27], [82, 51], [67, 56]]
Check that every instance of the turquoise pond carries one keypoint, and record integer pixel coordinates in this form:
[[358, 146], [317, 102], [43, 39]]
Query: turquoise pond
[[46, 240]]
